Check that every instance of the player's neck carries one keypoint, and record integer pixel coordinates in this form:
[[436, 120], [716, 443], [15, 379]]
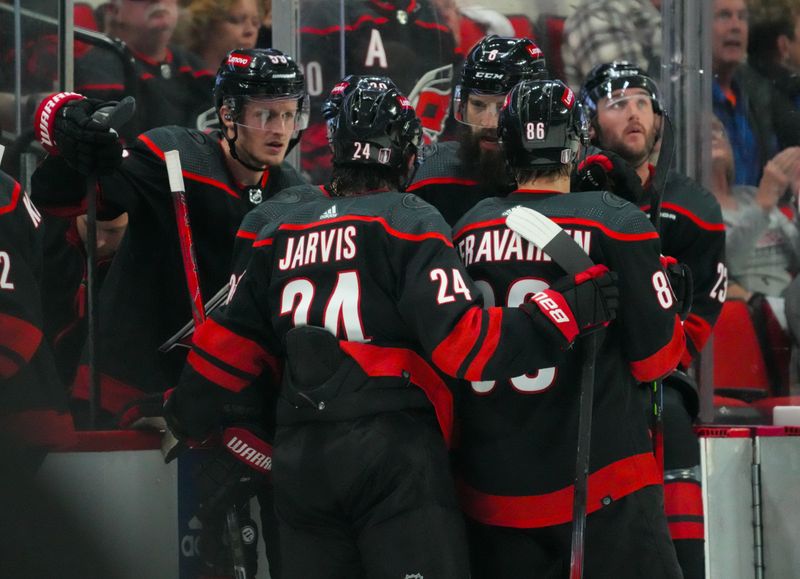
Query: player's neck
[[241, 174], [560, 184]]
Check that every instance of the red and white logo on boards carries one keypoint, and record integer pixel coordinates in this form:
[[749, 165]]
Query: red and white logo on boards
[[239, 59]]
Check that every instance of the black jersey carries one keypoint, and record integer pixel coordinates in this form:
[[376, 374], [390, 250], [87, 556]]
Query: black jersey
[[144, 300], [33, 402], [403, 39], [692, 231], [381, 273], [173, 92], [448, 184], [518, 442]]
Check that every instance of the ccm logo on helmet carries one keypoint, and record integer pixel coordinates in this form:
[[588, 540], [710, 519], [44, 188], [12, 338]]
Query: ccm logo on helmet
[[489, 75], [239, 60], [551, 308]]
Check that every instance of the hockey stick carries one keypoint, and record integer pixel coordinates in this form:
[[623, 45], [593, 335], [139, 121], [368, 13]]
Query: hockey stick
[[563, 250], [190, 270], [177, 339], [113, 116]]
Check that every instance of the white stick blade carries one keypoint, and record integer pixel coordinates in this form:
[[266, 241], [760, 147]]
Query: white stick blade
[[2, 151], [173, 159], [532, 226]]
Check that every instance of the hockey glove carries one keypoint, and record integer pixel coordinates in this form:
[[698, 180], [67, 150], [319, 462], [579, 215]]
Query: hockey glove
[[607, 171], [66, 125], [579, 304], [214, 549], [680, 279], [233, 473]]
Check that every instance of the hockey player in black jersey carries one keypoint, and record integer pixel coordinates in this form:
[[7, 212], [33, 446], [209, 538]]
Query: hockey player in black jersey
[[458, 174], [261, 101], [518, 436], [33, 401], [626, 116], [357, 302]]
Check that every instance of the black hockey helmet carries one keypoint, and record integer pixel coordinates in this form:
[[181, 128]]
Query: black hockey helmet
[[495, 65], [331, 106], [619, 75], [374, 124], [541, 125], [260, 72]]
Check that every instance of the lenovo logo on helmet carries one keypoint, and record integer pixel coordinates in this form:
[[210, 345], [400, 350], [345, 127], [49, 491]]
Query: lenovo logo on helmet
[[404, 102], [489, 75], [568, 98], [239, 59], [534, 51]]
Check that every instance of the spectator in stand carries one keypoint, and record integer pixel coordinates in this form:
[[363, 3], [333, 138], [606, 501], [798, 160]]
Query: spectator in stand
[[774, 47], [762, 244], [745, 102], [601, 31], [213, 28], [172, 86], [265, 30]]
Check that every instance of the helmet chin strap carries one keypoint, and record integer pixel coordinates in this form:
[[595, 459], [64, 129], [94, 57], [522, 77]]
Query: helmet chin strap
[[234, 154]]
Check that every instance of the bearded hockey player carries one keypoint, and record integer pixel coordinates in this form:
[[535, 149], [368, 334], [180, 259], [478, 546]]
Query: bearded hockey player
[[262, 105], [626, 114], [519, 436], [458, 174], [362, 300], [33, 402]]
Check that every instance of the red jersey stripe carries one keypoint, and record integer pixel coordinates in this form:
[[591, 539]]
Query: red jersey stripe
[[664, 361], [12, 204], [615, 480], [440, 181], [698, 330], [19, 336], [370, 219], [683, 498], [114, 394], [454, 349], [215, 374], [348, 27], [381, 361], [234, 350], [193, 176], [488, 346], [686, 213], [686, 530]]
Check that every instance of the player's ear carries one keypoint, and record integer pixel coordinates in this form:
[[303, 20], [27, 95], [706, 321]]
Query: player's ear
[[226, 118]]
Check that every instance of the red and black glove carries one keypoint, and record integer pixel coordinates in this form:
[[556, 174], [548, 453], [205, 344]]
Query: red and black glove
[[76, 128], [607, 171], [578, 304]]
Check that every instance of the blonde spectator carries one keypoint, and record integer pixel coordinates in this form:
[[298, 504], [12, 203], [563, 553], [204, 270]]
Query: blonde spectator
[[215, 27]]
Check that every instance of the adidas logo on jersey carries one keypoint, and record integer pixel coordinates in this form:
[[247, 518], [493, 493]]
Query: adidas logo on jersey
[[330, 213]]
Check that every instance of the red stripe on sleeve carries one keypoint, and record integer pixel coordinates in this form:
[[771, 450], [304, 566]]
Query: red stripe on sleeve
[[114, 394], [380, 361], [234, 350], [686, 530], [488, 346], [683, 498], [664, 361], [454, 349], [12, 204], [216, 374], [698, 330], [20, 337]]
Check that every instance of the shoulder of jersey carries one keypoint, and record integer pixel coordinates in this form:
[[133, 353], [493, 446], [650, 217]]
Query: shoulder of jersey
[[199, 151], [278, 206], [441, 160], [403, 212], [691, 196]]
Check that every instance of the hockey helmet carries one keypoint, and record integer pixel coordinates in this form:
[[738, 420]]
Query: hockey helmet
[[331, 106], [260, 73], [494, 66], [541, 125], [606, 79], [374, 124]]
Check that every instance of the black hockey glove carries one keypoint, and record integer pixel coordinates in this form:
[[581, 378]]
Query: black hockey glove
[[579, 304], [146, 412], [233, 473], [680, 278], [76, 128], [607, 171]]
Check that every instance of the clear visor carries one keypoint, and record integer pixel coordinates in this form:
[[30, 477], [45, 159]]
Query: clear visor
[[477, 109], [282, 114], [628, 99]]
